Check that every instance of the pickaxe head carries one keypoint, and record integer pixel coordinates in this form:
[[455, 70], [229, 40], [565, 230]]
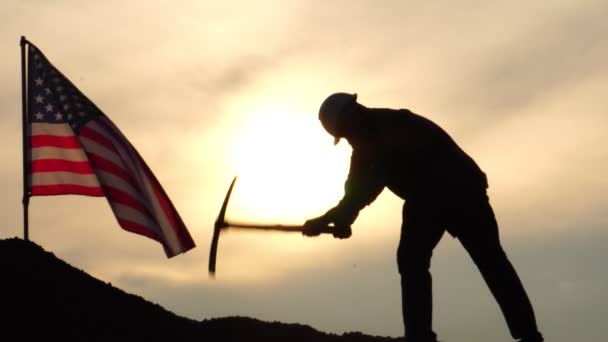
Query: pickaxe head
[[217, 227]]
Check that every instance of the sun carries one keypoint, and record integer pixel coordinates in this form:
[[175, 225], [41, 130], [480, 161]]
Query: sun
[[288, 168]]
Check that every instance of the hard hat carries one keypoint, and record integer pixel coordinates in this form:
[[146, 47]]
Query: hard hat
[[331, 111]]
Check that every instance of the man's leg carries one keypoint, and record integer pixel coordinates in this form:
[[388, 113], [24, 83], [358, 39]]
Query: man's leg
[[481, 240], [419, 236]]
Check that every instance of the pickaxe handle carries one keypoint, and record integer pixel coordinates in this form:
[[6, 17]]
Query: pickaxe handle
[[276, 227]]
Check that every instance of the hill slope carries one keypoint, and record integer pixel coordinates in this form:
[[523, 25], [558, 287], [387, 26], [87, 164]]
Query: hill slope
[[43, 296]]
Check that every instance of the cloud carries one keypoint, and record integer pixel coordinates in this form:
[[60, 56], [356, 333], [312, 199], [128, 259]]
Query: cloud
[[557, 51]]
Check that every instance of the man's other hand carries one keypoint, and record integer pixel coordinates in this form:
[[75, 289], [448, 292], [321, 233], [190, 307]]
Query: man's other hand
[[342, 232], [315, 226]]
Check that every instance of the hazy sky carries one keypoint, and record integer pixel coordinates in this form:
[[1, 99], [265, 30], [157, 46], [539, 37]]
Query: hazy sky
[[207, 90]]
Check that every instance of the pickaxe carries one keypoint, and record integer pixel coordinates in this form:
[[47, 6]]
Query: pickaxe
[[221, 224]]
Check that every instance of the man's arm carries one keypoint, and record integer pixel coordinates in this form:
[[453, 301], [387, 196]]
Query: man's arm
[[364, 183]]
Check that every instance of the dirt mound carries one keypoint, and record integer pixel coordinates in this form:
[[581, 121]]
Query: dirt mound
[[44, 297]]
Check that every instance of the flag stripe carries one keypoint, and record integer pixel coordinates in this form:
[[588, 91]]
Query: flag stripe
[[51, 165], [126, 212], [122, 197], [54, 141], [121, 149], [109, 172], [93, 147], [60, 130], [103, 124], [116, 151], [108, 166], [109, 180], [158, 211], [40, 153], [137, 228], [63, 189], [166, 206], [49, 178], [88, 132]]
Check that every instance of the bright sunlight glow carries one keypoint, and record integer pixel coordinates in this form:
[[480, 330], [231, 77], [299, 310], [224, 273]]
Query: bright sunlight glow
[[287, 166]]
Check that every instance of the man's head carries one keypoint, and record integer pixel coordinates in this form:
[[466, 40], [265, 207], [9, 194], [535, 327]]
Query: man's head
[[335, 112]]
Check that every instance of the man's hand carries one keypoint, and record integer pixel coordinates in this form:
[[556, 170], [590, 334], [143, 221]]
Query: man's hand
[[314, 227], [342, 232]]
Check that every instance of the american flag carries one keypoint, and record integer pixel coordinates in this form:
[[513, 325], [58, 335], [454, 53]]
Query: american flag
[[74, 148]]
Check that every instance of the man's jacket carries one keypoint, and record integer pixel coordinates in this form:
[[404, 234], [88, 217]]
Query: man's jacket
[[410, 155]]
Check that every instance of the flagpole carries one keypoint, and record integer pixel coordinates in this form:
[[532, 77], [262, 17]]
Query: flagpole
[[26, 194]]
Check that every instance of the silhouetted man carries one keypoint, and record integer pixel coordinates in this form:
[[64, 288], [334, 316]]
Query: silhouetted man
[[444, 190]]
